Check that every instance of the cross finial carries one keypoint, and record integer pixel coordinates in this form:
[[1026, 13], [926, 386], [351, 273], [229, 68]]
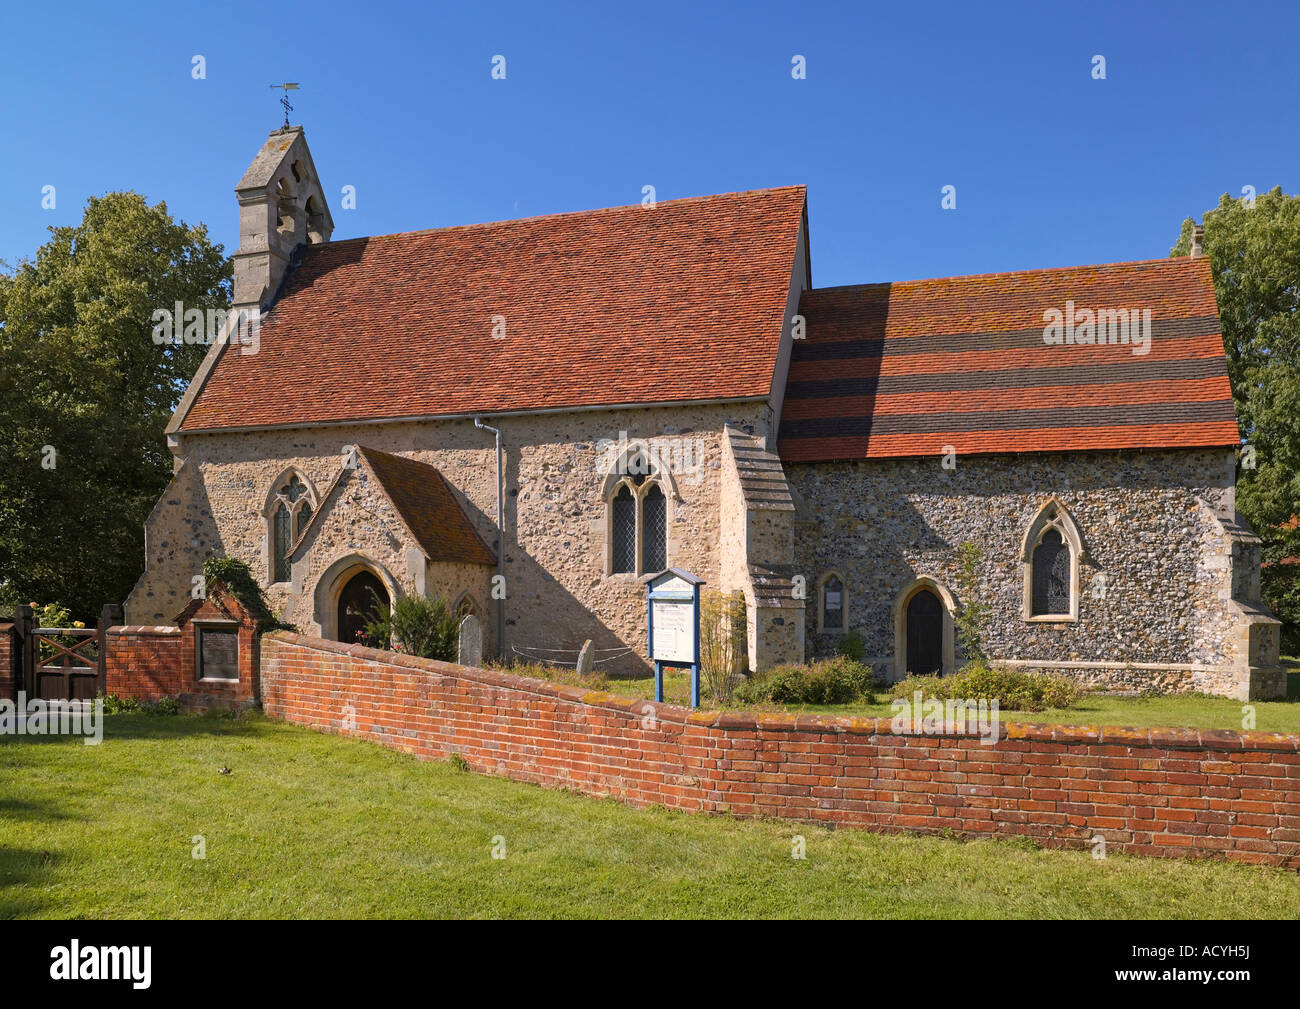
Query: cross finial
[[284, 100]]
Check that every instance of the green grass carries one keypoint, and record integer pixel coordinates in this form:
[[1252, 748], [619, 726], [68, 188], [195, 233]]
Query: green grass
[[309, 825], [1195, 711]]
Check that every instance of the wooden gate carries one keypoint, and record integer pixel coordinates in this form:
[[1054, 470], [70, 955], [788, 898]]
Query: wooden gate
[[61, 663]]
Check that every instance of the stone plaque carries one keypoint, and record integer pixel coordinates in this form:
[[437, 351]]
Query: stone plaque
[[218, 653], [469, 651]]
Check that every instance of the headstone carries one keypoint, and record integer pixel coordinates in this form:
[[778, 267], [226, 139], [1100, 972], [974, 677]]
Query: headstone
[[470, 649], [585, 659]]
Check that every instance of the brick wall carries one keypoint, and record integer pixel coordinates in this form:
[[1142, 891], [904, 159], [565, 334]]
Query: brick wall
[[143, 662], [152, 662], [1169, 792], [7, 659]]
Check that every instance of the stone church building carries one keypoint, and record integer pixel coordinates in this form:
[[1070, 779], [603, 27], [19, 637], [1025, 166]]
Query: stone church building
[[664, 386]]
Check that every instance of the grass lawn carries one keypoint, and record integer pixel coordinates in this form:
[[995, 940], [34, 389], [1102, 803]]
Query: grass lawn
[[310, 825], [1187, 710]]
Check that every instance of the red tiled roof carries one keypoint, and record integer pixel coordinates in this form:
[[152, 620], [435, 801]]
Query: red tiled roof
[[890, 370], [429, 507], [627, 305]]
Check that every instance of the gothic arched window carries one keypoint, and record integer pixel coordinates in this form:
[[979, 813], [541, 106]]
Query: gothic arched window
[[289, 510], [624, 507], [465, 605], [654, 529], [638, 519], [832, 614], [1053, 550], [1051, 592]]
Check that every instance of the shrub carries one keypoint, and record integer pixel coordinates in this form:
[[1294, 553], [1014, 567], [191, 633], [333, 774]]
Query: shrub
[[840, 680], [852, 646], [972, 614], [722, 640], [162, 706], [416, 625], [236, 577], [114, 705], [1013, 690]]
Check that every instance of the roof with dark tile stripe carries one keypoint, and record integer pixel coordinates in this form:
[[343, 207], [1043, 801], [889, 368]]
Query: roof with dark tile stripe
[[684, 301], [914, 368]]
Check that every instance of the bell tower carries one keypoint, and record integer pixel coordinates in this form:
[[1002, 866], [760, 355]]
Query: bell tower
[[281, 207]]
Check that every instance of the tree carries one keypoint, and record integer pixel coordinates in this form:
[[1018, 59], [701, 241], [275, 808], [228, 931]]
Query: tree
[[85, 394], [1254, 253], [972, 617]]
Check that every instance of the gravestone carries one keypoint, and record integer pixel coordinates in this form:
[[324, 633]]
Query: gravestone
[[585, 659], [470, 649]]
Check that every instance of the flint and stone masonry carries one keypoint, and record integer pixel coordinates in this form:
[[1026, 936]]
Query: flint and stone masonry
[[804, 432]]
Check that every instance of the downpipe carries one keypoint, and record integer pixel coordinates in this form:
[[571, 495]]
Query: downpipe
[[501, 547]]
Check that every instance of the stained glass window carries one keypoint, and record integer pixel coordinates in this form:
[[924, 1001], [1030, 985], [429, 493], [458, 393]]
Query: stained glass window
[[833, 604], [1051, 576]]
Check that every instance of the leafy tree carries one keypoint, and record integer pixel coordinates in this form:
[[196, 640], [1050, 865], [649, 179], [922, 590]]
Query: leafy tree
[[85, 395], [1254, 253]]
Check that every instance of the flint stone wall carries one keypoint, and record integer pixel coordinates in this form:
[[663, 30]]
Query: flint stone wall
[[558, 593], [1168, 585]]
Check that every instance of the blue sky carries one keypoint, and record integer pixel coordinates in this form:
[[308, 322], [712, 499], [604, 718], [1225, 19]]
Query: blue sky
[[1051, 166]]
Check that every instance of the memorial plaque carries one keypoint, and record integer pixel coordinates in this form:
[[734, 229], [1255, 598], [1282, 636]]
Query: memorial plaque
[[218, 653]]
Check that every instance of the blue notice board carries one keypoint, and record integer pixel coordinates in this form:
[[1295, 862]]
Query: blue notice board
[[673, 626]]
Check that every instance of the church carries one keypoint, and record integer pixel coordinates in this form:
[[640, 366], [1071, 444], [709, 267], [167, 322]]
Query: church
[[527, 417]]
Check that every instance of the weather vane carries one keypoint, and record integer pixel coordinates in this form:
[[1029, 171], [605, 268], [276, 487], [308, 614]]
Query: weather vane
[[285, 100]]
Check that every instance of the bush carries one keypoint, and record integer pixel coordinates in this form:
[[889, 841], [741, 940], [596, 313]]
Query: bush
[[722, 640], [840, 680], [416, 625], [236, 577], [114, 705], [852, 646], [1014, 691]]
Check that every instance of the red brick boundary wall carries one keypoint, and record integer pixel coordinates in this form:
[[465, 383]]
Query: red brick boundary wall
[[150, 663], [8, 661], [143, 662], [1168, 792]]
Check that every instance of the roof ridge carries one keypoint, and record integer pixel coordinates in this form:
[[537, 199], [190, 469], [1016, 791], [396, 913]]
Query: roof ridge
[[1031, 271], [593, 212]]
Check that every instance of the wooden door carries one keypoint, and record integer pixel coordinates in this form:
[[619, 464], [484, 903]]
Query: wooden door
[[357, 604], [924, 633]]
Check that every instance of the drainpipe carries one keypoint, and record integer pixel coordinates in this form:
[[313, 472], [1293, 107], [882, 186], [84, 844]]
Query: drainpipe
[[501, 546]]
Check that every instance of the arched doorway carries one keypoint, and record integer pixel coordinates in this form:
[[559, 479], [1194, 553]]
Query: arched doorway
[[357, 602], [924, 634]]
